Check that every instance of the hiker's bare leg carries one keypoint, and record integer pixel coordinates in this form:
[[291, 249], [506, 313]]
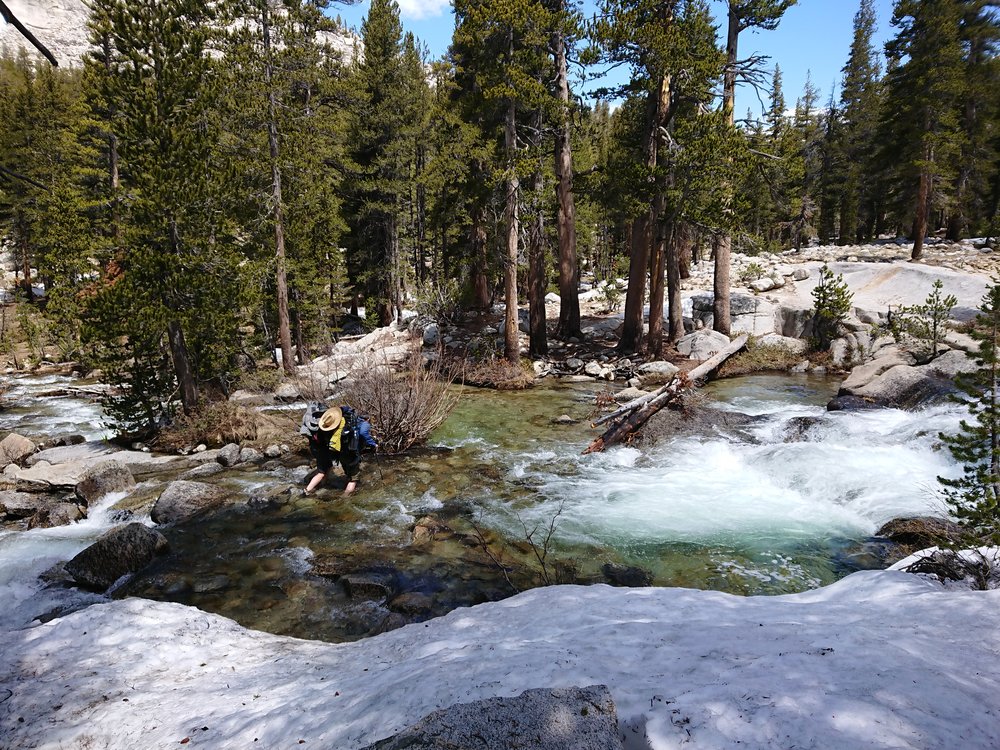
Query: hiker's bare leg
[[315, 482], [352, 484]]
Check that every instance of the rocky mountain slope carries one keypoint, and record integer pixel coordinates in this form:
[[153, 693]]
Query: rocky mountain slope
[[61, 25]]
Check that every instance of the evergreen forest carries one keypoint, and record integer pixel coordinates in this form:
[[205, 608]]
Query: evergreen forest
[[219, 186]]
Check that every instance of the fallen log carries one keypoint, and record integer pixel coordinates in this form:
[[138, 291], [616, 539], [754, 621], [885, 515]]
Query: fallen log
[[635, 413]]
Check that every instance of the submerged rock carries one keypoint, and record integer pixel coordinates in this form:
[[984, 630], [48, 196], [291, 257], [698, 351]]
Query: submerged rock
[[851, 403], [541, 719], [797, 428], [57, 514], [626, 575], [183, 500], [412, 603], [377, 585], [123, 550]]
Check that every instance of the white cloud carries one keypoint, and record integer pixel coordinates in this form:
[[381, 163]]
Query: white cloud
[[421, 9]]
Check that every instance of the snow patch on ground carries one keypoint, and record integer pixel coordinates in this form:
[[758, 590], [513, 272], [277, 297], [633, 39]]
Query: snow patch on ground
[[878, 660]]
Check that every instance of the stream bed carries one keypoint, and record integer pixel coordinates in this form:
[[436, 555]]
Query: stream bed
[[758, 490]]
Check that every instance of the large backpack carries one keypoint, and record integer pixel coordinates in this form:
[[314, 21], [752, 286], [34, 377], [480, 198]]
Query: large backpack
[[350, 439]]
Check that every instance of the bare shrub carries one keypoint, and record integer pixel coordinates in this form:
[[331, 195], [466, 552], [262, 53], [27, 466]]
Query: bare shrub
[[260, 380], [950, 565], [537, 543], [759, 357], [404, 407], [498, 373], [218, 423]]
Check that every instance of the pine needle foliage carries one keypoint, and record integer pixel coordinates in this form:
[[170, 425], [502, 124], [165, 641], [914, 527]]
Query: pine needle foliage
[[831, 304], [975, 496]]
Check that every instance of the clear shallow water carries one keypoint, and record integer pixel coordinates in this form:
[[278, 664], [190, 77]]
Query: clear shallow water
[[782, 508]]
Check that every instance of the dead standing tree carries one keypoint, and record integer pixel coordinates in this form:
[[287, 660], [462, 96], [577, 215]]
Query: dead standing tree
[[627, 420]]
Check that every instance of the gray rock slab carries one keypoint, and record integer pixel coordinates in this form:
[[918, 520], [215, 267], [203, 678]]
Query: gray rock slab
[[659, 367], [862, 375], [540, 719], [205, 470], [72, 453], [42, 474], [907, 386], [702, 345], [122, 550], [798, 346], [15, 505], [104, 478]]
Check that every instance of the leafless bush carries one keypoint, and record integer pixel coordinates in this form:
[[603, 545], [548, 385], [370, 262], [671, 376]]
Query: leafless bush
[[403, 407], [221, 422], [538, 541], [498, 373], [949, 565]]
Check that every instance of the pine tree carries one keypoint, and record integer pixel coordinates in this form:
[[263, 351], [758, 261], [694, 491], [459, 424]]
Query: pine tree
[[277, 137], [377, 128], [499, 50], [975, 496], [742, 15], [979, 119], [831, 304], [176, 274], [567, 26], [859, 111], [44, 208], [924, 85]]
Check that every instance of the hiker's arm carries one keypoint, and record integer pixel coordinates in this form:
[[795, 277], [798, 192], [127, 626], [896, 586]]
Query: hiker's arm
[[365, 433]]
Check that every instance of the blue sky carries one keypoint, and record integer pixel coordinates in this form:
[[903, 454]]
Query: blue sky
[[814, 36]]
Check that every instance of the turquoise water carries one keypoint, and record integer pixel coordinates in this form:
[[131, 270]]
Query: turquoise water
[[784, 503]]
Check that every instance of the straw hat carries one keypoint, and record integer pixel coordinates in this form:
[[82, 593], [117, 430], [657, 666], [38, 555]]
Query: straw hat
[[330, 419]]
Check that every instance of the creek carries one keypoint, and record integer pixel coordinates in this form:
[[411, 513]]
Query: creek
[[764, 493]]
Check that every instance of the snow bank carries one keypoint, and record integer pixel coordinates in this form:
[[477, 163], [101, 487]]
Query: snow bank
[[878, 660]]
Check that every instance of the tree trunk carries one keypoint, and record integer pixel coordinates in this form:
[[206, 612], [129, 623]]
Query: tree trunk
[[281, 281], [723, 247], [643, 233], [720, 305], [658, 261], [569, 274], [539, 345], [633, 415], [24, 246], [676, 239], [182, 367], [301, 350], [657, 269], [512, 350], [920, 219], [685, 250], [631, 338], [480, 281]]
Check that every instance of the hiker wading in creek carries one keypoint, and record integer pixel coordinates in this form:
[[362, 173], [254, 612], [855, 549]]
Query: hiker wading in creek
[[337, 434]]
